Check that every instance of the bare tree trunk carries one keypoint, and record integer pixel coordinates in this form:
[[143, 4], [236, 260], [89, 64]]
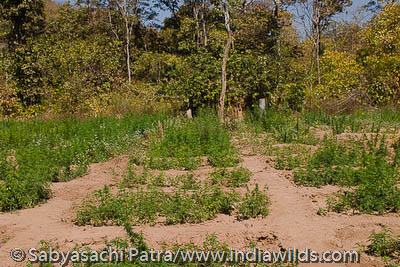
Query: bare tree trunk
[[223, 66], [203, 18], [128, 54], [311, 74], [128, 14], [277, 9], [318, 51], [196, 17], [316, 32]]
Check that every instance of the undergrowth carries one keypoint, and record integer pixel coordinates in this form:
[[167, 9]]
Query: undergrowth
[[230, 178], [211, 252], [139, 200], [184, 141], [35, 153], [285, 127], [366, 168], [385, 245]]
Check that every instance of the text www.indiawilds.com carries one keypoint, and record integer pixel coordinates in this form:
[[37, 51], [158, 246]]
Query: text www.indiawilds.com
[[255, 255]]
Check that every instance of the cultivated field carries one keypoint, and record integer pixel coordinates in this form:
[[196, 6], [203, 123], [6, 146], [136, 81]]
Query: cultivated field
[[274, 181]]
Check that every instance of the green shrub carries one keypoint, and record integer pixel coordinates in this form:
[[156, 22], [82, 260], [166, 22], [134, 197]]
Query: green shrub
[[200, 206], [283, 125], [255, 203], [186, 141], [103, 207], [189, 181], [131, 178], [233, 178], [384, 244], [367, 166], [141, 207], [35, 153]]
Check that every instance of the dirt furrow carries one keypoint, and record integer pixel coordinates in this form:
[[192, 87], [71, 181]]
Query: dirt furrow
[[292, 222]]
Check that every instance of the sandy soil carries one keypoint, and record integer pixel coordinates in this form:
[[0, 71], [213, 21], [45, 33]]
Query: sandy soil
[[292, 222]]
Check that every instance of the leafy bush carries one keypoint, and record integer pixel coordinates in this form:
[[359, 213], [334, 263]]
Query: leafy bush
[[291, 157], [141, 207], [255, 203], [367, 167], [103, 207], [283, 125], [35, 153], [385, 245], [331, 164], [340, 75], [188, 181], [233, 178], [185, 141]]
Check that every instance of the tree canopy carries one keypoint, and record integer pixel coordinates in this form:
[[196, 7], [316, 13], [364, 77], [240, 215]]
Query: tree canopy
[[111, 56]]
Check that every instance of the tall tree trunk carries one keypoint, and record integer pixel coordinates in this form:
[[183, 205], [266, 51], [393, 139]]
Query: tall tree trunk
[[223, 66], [128, 41], [128, 60], [316, 33], [196, 17], [203, 18], [318, 51], [277, 9]]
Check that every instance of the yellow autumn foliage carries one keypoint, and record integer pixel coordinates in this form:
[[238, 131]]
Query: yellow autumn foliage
[[340, 75]]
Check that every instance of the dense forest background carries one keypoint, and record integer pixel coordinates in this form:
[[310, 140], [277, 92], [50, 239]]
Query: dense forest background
[[100, 57]]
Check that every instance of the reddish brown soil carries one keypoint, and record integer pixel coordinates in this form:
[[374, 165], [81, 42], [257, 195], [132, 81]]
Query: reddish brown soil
[[292, 222]]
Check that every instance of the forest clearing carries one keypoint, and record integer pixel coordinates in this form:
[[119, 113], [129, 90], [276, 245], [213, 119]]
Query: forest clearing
[[269, 127], [273, 181]]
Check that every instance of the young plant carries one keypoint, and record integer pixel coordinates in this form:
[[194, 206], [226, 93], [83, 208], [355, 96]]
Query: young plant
[[230, 178], [384, 244], [255, 203]]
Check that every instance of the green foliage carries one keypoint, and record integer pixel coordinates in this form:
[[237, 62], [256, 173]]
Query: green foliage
[[230, 178], [331, 164], [82, 72], [103, 207], [141, 207], [131, 178], [188, 181], [184, 141], [284, 125], [38, 152], [367, 167], [200, 206], [384, 244], [291, 157], [338, 123], [27, 22], [255, 203], [340, 75], [381, 57]]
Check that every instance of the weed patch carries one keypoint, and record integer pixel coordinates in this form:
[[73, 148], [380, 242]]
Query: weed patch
[[141, 207], [366, 167], [185, 141], [35, 153], [385, 245], [285, 127], [255, 203], [230, 178]]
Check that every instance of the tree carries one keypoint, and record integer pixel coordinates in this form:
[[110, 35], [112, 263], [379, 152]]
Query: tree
[[26, 22], [225, 6], [129, 13], [316, 15], [381, 57]]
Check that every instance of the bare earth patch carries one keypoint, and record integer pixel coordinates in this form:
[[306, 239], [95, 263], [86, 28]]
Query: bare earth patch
[[293, 220]]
